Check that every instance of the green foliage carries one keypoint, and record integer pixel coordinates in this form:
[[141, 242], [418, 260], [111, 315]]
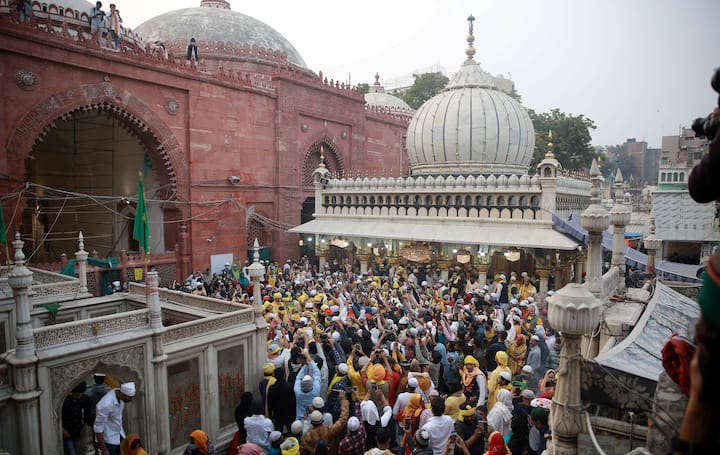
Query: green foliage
[[363, 88], [425, 87], [571, 138], [616, 157]]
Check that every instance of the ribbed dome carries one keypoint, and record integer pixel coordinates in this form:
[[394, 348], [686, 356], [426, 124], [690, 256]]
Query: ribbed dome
[[213, 22], [471, 127], [377, 97]]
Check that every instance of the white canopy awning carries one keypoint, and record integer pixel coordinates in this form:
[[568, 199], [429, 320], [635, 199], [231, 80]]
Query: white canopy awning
[[517, 233]]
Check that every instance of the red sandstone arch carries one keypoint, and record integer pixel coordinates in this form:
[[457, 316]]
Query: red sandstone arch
[[163, 148], [333, 159]]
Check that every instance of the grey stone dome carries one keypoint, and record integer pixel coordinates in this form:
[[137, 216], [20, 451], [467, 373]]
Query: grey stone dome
[[472, 127], [377, 97], [216, 22]]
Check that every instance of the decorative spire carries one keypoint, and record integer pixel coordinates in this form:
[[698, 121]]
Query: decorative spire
[[377, 79], [619, 193], [322, 156], [549, 154], [470, 51], [256, 251], [596, 180]]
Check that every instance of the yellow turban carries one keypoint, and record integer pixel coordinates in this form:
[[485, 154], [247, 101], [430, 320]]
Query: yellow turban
[[268, 368], [277, 295], [470, 360], [468, 411]]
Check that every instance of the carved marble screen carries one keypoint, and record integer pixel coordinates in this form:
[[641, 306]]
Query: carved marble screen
[[231, 382], [184, 399]]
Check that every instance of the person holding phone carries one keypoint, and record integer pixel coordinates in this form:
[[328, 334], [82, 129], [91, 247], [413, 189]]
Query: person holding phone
[[470, 430]]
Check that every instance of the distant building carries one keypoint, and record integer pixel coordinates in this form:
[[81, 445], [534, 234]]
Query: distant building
[[689, 230], [645, 161], [406, 80]]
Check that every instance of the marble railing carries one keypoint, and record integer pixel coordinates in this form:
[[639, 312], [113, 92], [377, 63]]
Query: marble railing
[[89, 329], [573, 185], [197, 301], [610, 282], [199, 327], [441, 196], [46, 285]]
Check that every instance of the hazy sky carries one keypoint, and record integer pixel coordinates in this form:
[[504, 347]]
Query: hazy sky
[[638, 68]]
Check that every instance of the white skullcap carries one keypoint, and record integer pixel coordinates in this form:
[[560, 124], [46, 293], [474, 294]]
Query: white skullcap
[[128, 389], [535, 337], [502, 276], [413, 382], [336, 336], [424, 283], [403, 320], [318, 403], [551, 292], [353, 424], [343, 368], [506, 376], [296, 427], [527, 369], [513, 301], [302, 320], [275, 436]]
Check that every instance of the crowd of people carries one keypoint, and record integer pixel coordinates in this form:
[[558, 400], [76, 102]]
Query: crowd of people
[[394, 361]]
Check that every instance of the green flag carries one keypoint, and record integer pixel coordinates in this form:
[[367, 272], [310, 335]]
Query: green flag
[[141, 229], [3, 236]]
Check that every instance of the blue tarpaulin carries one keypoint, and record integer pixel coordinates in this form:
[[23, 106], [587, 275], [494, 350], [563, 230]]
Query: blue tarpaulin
[[673, 271]]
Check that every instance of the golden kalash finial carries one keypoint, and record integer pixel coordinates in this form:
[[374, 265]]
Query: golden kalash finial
[[550, 153], [322, 156]]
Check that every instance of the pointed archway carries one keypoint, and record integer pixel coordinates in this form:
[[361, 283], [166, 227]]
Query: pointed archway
[[92, 140]]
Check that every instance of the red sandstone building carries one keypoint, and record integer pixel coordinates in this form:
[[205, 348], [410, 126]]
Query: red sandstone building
[[227, 144]]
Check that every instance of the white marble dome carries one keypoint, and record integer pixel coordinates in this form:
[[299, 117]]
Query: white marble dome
[[377, 97], [215, 21], [472, 127]]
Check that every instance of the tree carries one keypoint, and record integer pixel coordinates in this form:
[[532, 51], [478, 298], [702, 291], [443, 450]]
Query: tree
[[425, 87], [617, 157], [571, 138], [363, 88]]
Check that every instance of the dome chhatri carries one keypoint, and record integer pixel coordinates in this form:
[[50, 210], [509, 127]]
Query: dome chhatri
[[473, 126], [376, 96], [222, 4]]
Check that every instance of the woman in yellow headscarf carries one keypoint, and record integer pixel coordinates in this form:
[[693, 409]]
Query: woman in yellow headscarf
[[517, 353], [199, 444], [411, 413]]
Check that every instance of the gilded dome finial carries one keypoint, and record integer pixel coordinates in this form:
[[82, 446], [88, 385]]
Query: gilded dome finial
[[470, 51], [322, 156], [549, 153]]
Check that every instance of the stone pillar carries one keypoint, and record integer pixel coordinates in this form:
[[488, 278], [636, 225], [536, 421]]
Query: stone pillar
[[595, 219], [257, 272], [544, 277], [159, 407], [185, 267], [652, 245], [322, 260], [364, 259], [619, 217], [23, 360], [482, 270], [579, 268], [81, 256], [443, 270], [574, 311]]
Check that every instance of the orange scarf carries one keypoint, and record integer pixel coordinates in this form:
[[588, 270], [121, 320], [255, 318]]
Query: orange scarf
[[201, 440]]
